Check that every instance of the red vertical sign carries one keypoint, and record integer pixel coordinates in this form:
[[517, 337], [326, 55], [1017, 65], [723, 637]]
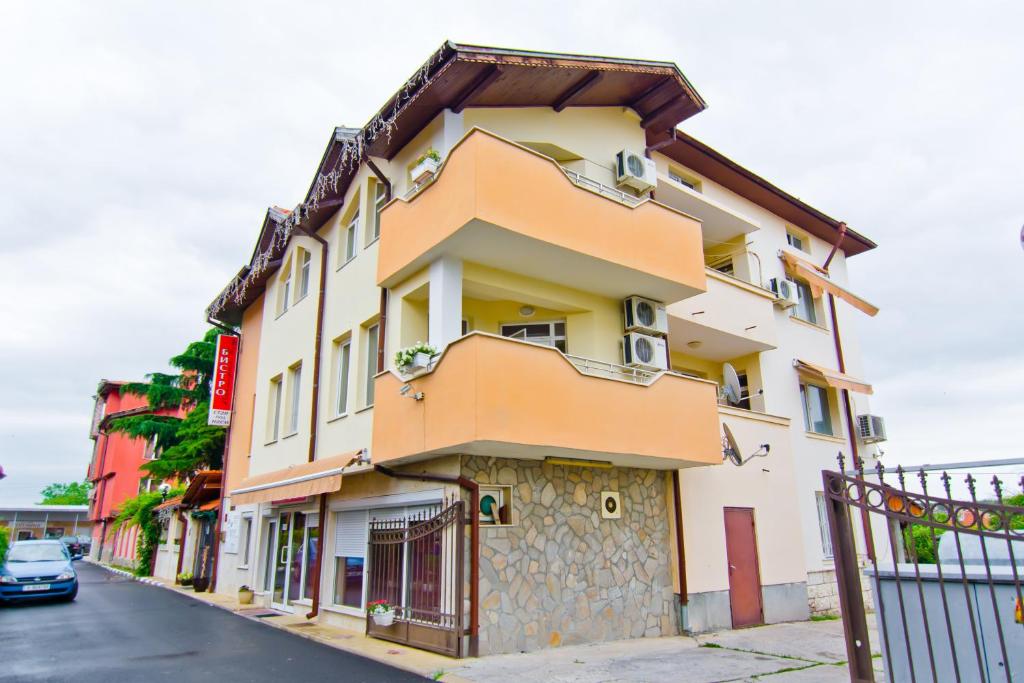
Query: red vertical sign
[[222, 391]]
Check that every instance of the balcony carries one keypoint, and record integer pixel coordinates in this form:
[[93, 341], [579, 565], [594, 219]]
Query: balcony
[[494, 396], [730, 320], [721, 222], [504, 206]]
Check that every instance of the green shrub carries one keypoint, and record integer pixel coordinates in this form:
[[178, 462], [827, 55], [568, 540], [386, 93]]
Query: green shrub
[[920, 544], [5, 540]]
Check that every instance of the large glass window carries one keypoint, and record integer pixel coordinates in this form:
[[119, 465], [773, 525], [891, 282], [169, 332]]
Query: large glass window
[[304, 263], [547, 333], [804, 310], [310, 555], [348, 581], [817, 415], [372, 342], [351, 234], [295, 389], [344, 360], [350, 539]]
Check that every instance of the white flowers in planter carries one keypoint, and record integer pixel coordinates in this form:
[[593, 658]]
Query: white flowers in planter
[[415, 357], [426, 166]]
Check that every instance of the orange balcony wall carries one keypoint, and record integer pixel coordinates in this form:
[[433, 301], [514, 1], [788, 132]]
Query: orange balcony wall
[[499, 204], [493, 396]]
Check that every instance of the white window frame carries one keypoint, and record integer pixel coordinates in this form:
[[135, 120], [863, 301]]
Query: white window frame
[[342, 376], [305, 265], [246, 530], [806, 300], [284, 299], [351, 236], [274, 401], [805, 400], [379, 200], [549, 340], [826, 537], [371, 362], [294, 398]]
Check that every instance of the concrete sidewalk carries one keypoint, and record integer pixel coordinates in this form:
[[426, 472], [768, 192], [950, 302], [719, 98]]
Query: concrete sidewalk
[[781, 653]]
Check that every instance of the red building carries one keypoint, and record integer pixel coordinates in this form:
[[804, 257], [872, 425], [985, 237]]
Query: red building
[[114, 471]]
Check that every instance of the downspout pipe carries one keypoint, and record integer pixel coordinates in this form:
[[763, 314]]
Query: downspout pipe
[[474, 541], [835, 246], [684, 597], [318, 341]]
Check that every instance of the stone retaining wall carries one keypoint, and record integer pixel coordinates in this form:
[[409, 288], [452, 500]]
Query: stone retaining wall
[[823, 592], [560, 574]]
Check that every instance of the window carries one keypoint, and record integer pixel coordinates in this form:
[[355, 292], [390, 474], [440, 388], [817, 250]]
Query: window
[[344, 361], [144, 485], [379, 200], [294, 395], [350, 539], [817, 415], [165, 524], [548, 334], [351, 234], [744, 391], [372, 343], [309, 553], [274, 410], [285, 289], [798, 242], [305, 258], [826, 537], [246, 540], [804, 310], [150, 452], [684, 179]]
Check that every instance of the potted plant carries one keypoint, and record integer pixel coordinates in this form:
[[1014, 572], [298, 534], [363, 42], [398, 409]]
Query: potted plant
[[382, 612], [426, 166], [415, 357], [185, 578], [200, 583], [245, 595]]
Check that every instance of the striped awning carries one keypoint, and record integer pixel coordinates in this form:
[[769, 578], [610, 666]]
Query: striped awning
[[819, 282], [297, 481], [832, 378]]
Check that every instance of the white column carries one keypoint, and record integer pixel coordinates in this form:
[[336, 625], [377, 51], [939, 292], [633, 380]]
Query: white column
[[445, 324]]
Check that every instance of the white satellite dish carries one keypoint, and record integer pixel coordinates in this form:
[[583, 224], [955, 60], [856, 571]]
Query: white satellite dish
[[731, 449], [731, 385]]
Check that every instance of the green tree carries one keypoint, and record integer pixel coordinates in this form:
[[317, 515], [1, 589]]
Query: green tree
[[5, 541], [72, 493], [138, 511], [183, 446]]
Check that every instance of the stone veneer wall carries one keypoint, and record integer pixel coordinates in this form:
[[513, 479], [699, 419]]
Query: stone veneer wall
[[823, 592], [560, 574]]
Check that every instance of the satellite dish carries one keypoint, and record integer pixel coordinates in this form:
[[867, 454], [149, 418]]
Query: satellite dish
[[731, 449], [731, 386]]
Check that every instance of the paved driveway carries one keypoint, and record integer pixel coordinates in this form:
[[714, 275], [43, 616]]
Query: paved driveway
[[121, 630]]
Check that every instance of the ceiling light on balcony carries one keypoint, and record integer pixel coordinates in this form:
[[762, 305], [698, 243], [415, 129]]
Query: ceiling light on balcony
[[695, 344], [526, 311]]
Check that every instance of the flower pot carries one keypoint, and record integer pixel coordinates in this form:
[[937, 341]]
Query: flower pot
[[424, 170], [199, 585], [186, 582], [421, 361], [384, 618], [245, 597]]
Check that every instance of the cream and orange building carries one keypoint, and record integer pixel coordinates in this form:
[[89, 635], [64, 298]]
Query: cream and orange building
[[604, 296]]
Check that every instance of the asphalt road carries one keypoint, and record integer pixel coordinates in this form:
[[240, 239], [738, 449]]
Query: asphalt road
[[122, 630]]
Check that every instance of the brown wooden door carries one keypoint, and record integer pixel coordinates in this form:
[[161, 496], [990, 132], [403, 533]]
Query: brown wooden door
[[744, 575]]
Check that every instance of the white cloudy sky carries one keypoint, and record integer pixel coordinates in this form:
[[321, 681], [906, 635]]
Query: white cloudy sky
[[141, 142]]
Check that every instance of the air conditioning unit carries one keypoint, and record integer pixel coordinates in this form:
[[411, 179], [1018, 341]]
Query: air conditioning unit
[[635, 170], [644, 351], [644, 315], [870, 428], [786, 294]]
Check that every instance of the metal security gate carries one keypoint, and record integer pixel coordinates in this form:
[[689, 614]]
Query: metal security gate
[[944, 572], [417, 566]]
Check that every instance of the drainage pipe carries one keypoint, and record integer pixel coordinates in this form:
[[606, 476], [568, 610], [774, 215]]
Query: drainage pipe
[[321, 524], [474, 541], [318, 341]]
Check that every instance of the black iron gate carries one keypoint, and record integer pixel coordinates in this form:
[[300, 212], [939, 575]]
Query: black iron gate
[[944, 574], [416, 565]]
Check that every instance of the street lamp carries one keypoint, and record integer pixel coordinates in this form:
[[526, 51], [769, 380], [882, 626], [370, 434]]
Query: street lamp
[[164, 489]]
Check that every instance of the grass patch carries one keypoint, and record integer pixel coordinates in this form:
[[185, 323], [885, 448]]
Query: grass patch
[[824, 617], [715, 645], [438, 675]]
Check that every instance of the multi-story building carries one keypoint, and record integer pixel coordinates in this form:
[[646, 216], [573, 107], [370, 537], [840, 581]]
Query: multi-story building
[[606, 299], [115, 473]]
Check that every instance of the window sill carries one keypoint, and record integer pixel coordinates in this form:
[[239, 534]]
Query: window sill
[[342, 416], [807, 323], [305, 602], [300, 299], [347, 611], [372, 242], [280, 314], [289, 435], [270, 443], [364, 409], [825, 437], [348, 261]]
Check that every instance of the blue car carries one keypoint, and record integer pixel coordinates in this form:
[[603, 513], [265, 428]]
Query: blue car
[[38, 569]]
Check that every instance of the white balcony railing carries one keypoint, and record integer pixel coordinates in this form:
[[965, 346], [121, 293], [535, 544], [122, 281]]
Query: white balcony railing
[[602, 189], [599, 368]]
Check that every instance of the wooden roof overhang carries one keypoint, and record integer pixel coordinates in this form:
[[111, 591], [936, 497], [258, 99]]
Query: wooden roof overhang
[[712, 164], [203, 488], [457, 76]]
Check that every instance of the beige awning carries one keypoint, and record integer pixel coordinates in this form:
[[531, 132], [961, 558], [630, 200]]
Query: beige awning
[[297, 481], [819, 282], [832, 378]]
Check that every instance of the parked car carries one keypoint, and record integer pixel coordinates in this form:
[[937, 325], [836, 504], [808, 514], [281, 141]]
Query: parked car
[[73, 545], [86, 542], [38, 569]]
